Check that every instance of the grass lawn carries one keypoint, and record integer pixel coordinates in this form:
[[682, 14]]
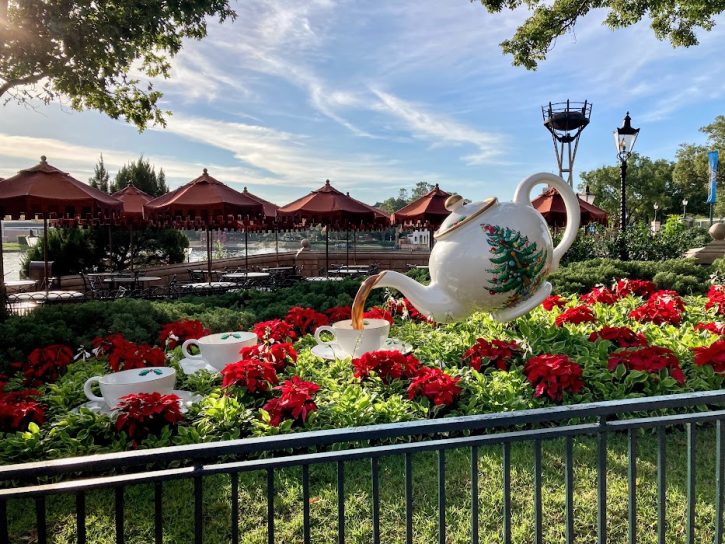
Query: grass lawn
[[178, 501]]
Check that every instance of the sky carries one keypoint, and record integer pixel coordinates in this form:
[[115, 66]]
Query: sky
[[376, 96]]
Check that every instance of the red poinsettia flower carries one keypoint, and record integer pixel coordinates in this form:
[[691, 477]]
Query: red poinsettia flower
[[553, 301], [125, 355], [716, 299], [670, 297], [600, 295], [279, 354], [577, 314], [435, 385], [642, 288], [252, 374], [715, 327], [274, 330], [295, 402], [20, 408], [496, 353], [661, 307], [143, 414], [305, 320], [389, 365], [648, 359], [45, 365], [713, 355], [379, 313], [338, 313], [622, 337], [176, 333], [553, 375]]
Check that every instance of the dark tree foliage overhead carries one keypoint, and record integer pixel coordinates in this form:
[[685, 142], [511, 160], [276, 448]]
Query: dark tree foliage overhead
[[85, 50], [673, 20]]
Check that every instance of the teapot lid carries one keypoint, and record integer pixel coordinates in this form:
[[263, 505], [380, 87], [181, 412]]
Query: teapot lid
[[461, 213]]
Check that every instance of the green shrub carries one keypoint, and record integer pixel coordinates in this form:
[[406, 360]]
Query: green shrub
[[679, 274]]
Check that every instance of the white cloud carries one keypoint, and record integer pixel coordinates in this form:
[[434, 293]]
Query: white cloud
[[442, 130]]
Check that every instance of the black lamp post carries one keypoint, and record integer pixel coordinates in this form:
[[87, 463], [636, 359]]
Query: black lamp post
[[684, 208], [624, 138]]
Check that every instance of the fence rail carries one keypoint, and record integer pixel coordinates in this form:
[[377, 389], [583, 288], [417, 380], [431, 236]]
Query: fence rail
[[78, 476]]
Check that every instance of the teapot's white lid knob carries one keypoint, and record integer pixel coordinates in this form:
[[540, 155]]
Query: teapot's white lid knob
[[453, 202]]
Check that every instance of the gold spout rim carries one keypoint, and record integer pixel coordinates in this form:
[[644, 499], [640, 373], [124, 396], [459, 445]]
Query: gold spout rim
[[486, 205]]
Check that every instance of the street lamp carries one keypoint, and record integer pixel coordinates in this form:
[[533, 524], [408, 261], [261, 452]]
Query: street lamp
[[684, 208], [624, 138], [656, 207]]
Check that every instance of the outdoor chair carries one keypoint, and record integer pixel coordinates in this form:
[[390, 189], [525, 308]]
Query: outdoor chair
[[195, 277]]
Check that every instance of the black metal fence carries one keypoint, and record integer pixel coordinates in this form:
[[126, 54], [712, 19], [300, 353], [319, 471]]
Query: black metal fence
[[686, 413]]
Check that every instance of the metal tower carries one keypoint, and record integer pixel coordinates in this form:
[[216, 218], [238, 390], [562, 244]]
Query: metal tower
[[566, 121]]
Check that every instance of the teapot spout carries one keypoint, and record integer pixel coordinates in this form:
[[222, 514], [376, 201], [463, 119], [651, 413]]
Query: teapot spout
[[430, 300]]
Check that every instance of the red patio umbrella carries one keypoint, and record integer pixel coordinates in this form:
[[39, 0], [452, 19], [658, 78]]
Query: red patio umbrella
[[334, 209], [551, 206], [133, 200], [204, 202], [427, 211], [45, 190]]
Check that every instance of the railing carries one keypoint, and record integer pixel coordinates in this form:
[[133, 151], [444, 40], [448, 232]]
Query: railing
[[691, 412]]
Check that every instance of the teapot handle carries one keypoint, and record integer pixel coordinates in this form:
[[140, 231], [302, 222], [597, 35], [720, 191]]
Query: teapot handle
[[571, 202]]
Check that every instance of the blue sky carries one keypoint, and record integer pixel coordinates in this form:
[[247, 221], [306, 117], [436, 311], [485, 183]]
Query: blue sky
[[376, 96]]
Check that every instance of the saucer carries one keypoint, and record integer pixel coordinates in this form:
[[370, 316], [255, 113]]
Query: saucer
[[331, 352], [192, 366], [186, 399]]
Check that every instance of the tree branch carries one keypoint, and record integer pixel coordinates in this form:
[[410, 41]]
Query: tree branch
[[10, 83]]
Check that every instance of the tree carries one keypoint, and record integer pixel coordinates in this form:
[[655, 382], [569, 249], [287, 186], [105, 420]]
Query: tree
[[143, 176], [100, 176], [421, 188], [86, 51], [393, 204], [674, 20], [648, 182]]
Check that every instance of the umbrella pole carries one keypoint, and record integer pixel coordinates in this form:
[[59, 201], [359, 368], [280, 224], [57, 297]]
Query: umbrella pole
[[276, 244], [430, 236], [208, 253], [354, 247], [3, 307], [246, 251], [130, 243], [327, 251], [45, 252], [110, 246], [347, 247]]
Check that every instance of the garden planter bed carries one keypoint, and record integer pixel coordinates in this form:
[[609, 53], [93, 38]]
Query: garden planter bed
[[567, 351]]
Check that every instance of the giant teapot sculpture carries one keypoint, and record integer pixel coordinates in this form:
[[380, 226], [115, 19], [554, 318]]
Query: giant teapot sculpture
[[491, 256]]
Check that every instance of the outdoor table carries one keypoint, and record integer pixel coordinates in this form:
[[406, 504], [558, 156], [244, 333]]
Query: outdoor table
[[245, 275], [130, 280], [323, 278], [209, 285], [19, 285], [278, 269], [348, 272]]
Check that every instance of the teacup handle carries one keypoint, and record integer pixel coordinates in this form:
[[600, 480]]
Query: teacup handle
[[89, 392], [185, 348], [322, 329]]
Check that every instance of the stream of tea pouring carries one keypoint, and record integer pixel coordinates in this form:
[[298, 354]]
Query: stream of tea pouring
[[358, 305]]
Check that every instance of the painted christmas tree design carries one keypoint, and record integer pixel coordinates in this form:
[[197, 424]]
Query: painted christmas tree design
[[518, 265]]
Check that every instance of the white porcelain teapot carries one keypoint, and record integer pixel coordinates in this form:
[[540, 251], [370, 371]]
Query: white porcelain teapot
[[491, 256]]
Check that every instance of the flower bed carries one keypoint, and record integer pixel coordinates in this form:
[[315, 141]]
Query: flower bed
[[625, 340]]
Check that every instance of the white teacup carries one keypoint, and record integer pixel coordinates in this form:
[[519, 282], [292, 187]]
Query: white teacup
[[220, 349], [353, 342], [155, 379]]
